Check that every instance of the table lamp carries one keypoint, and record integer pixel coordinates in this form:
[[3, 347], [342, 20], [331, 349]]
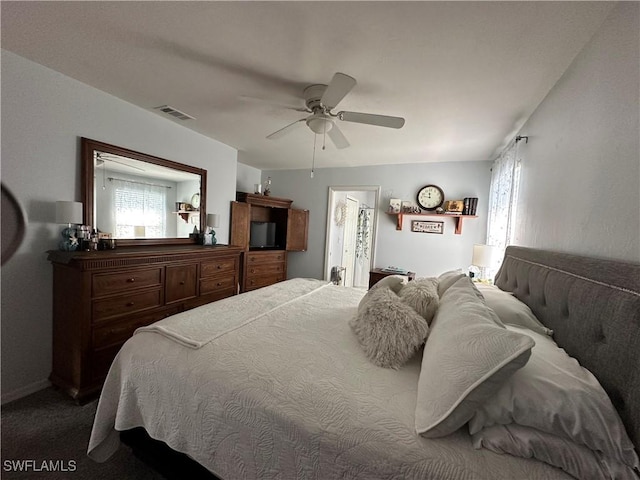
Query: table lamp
[[482, 258], [69, 213], [213, 221]]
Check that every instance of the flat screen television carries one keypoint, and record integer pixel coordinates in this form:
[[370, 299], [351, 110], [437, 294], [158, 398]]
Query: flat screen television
[[262, 235]]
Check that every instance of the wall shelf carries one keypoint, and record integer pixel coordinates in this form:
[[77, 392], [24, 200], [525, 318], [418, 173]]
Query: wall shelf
[[187, 214], [458, 218]]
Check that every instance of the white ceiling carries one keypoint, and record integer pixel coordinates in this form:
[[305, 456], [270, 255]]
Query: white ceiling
[[464, 75]]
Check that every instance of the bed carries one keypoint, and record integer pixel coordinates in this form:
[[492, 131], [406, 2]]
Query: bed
[[276, 383]]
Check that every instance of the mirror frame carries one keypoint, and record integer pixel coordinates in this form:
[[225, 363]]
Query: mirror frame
[[87, 149]]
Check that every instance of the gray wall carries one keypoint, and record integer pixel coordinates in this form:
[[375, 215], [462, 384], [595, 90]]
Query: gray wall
[[44, 114], [247, 177], [580, 187], [425, 254]]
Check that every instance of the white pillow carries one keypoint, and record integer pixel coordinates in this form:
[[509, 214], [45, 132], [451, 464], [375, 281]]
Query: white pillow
[[554, 394], [467, 357], [526, 442], [388, 330], [511, 310], [447, 279], [422, 295]]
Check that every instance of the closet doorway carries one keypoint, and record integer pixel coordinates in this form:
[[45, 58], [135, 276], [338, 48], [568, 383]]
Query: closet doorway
[[352, 216]]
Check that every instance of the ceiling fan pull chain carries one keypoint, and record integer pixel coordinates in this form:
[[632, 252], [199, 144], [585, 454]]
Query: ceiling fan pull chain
[[313, 158]]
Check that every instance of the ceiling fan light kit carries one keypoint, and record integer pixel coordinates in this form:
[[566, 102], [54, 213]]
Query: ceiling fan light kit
[[319, 124]]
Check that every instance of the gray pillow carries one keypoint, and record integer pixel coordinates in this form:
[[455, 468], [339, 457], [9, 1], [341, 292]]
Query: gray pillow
[[422, 296], [447, 279], [388, 330], [511, 310], [467, 358]]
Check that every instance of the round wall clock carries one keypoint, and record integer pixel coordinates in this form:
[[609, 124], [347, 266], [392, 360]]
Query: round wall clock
[[195, 201], [430, 197]]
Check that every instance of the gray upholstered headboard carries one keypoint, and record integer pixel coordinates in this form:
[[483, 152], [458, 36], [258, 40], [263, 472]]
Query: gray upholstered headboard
[[593, 307]]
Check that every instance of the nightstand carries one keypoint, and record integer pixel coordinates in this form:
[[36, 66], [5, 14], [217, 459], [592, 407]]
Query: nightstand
[[378, 274]]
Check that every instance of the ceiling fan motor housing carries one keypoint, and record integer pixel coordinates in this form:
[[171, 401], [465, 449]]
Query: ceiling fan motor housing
[[313, 95]]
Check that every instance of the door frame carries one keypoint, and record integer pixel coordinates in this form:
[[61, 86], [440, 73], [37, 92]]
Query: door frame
[[333, 190]]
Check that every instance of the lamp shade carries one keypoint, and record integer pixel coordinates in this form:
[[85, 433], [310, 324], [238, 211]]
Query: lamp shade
[[213, 220], [483, 255], [69, 212]]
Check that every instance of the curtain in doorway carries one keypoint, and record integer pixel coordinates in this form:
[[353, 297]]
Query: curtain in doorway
[[363, 235]]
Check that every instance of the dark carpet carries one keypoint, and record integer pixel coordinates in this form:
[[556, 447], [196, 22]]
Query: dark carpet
[[51, 430]]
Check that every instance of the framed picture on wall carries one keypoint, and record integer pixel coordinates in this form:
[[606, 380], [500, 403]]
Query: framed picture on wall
[[427, 226]]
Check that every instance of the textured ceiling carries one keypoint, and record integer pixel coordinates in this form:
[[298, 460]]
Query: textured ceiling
[[464, 75]]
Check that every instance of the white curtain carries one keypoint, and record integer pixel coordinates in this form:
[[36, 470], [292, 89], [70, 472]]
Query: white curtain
[[140, 209], [503, 196]]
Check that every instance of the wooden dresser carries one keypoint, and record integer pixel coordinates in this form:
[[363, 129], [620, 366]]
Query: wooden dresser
[[263, 267], [100, 298]]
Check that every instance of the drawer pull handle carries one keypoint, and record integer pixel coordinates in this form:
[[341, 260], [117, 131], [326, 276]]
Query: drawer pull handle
[[130, 304], [182, 282], [219, 267], [219, 284], [253, 270], [131, 280]]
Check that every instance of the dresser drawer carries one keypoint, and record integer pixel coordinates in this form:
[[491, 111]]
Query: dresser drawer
[[253, 258], [125, 304], [108, 283], [264, 269], [181, 283], [117, 333], [263, 280], [211, 285], [223, 265]]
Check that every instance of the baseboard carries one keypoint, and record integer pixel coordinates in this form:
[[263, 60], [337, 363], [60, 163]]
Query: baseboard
[[24, 391]]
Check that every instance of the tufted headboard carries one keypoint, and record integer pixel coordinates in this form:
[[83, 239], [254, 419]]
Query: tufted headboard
[[593, 307]]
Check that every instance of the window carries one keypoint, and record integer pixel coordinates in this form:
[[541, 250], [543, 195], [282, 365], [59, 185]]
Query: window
[[140, 209], [503, 197]]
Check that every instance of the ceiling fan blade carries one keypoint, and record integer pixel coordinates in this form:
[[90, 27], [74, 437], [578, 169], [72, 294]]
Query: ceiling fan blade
[[337, 137], [372, 119], [340, 85], [279, 104], [105, 158], [284, 130]]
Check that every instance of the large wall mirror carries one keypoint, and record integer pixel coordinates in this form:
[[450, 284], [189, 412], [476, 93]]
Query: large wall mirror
[[141, 199]]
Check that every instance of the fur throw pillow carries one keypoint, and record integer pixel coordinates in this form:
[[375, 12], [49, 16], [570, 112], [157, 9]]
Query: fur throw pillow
[[388, 330], [394, 282], [422, 296]]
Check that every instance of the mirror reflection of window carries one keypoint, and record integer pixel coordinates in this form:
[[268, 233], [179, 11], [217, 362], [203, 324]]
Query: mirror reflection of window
[[135, 199], [140, 209]]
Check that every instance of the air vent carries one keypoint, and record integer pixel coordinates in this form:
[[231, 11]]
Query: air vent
[[174, 113]]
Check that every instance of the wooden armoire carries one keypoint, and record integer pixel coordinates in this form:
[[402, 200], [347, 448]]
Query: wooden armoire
[[265, 266]]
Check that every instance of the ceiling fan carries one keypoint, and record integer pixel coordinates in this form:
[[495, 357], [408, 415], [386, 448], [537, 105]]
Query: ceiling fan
[[322, 99]]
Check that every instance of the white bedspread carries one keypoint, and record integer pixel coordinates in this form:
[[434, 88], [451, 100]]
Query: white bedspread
[[282, 390]]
